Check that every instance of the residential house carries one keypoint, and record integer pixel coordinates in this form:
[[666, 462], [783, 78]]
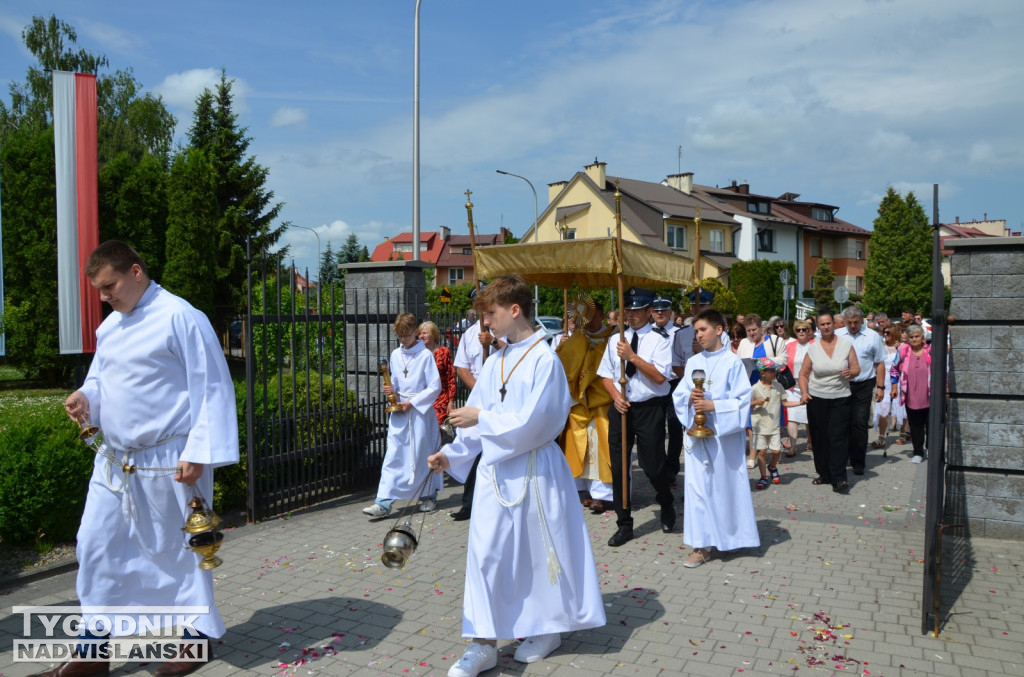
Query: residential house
[[653, 214], [761, 232], [969, 229], [451, 255]]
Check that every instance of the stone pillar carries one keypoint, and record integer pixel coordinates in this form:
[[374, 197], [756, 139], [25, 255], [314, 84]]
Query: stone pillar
[[374, 294], [985, 479]]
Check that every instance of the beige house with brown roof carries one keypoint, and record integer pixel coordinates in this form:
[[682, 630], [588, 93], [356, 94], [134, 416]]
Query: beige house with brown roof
[[653, 214]]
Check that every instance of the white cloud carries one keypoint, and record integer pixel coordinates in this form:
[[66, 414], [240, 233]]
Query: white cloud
[[283, 117], [106, 37], [180, 90]]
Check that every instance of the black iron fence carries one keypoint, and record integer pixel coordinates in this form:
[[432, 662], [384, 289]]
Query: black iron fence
[[315, 421]]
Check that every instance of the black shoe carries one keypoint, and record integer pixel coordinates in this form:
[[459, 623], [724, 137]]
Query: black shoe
[[462, 514], [621, 537], [597, 507], [841, 488], [668, 517], [858, 471]]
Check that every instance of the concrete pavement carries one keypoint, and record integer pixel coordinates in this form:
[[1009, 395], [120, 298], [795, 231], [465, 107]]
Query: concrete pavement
[[835, 588]]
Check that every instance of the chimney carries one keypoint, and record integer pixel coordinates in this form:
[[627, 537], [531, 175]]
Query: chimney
[[555, 188], [446, 232], [596, 173], [985, 215], [957, 221], [681, 182]]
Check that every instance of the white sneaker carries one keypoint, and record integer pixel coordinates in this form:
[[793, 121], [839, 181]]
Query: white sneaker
[[376, 510], [478, 657], [428, 505], [917, 459], [537, 648]]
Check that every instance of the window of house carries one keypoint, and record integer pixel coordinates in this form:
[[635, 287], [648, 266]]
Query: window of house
[[766, 240], [675, 237], [819, 214], [716, 240], [467, 250], [814, 247], [810, 284], [456, 275], [859, 286], [759, 207], [570, 234], [858, 249]]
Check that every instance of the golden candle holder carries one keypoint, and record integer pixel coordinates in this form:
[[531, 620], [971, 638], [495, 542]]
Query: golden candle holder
[[699, 419], [392, 398], [204, 525]]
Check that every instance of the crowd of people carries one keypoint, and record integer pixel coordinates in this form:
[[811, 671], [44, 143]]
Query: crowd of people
[[548, 429]]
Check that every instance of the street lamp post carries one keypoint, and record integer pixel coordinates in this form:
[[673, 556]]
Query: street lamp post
[[536, 235], [416, 138], [318, 261]]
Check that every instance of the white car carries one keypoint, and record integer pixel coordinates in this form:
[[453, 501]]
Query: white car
[[552, 325]]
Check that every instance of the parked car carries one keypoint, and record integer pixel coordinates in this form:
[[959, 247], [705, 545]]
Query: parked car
[[552, 325]]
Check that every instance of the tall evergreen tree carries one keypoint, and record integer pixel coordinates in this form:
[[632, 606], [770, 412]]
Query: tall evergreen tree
[[824, 276], [350, 252], [328, 267], [899, 270], [191, 270], [245, 206], [133, 207]]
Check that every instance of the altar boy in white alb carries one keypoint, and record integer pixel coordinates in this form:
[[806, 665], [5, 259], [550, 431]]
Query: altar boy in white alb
[[160, 391], [718, 513], [413, 433], [529, 567]]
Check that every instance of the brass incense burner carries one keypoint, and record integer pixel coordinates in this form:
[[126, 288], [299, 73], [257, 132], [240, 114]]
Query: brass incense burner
[[699, 419], [393, 405], [399, 545], [204, 526]]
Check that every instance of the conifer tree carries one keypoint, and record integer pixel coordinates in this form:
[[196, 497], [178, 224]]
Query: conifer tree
[[191, 269], [824, 276], [245, 206], [328, 267], [899, 270]]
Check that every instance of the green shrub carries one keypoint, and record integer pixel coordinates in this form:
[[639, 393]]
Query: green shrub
[[44, 477]]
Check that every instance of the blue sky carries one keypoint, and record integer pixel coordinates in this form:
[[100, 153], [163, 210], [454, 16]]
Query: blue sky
[[832, 99]]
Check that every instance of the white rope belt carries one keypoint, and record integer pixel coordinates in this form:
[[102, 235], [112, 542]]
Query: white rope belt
[[127, 470], [554, 566]]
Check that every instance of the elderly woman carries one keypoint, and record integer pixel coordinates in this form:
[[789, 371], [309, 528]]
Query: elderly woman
[[889, 407], [796, 351], [830, 364], [431, 337], [911, 380]]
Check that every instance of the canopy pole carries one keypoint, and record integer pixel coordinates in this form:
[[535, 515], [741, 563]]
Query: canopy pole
[[472, 250], [622, 339]]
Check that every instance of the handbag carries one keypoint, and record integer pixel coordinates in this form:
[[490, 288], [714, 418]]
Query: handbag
[[785, 375]]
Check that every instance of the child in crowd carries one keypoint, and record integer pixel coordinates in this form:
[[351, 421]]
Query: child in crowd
[[767, 397], [529, 566], [413, 433]]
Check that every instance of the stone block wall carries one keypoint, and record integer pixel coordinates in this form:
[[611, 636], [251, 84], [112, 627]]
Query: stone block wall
[[374, 294], [985, 421]]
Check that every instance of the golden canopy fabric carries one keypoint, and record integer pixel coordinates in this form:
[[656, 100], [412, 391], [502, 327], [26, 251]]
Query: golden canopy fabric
[[590, 263]]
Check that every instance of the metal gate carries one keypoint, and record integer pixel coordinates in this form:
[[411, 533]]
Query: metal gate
[[315, 421]]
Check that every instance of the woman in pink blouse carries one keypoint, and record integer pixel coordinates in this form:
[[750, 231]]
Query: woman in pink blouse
[[911, 380]]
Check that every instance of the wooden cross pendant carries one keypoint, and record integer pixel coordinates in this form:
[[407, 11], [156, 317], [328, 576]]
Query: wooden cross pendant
[[502, 391]]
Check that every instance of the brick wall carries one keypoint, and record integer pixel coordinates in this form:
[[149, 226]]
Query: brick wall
[[985, 454]]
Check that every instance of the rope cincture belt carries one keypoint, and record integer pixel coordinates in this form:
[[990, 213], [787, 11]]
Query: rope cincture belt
[[554, 566], [127, 469]]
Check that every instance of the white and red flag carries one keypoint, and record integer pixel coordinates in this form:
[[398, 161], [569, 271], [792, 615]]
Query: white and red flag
[[78, 228]]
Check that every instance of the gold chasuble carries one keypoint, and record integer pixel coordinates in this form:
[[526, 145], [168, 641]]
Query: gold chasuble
[[587, 427]]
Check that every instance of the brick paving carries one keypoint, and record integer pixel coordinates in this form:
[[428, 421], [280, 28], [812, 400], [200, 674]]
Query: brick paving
[[835, 588]]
